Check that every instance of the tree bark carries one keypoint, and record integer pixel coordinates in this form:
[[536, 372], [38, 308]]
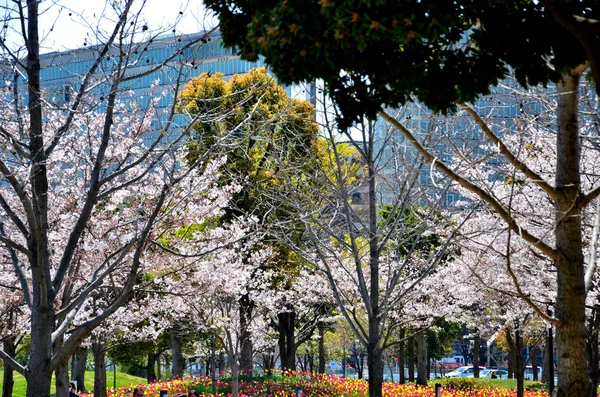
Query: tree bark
[[246, 352], [62, 380], [534, 363], [79, 365], [512, 354], [159, 367], [374, 359], [520, 364], [421, 359], [321, 349], [38, 372], [411, 358], [150, 374], [178, 362], [546, 362], [235, 383], [8, 381], [573, 379], [374, 362], [99, 351], [287, 346], [401, 357]]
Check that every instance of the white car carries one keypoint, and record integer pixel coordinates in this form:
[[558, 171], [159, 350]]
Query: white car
[[529, 372], [461, 372], [483, 373], [500, 373]]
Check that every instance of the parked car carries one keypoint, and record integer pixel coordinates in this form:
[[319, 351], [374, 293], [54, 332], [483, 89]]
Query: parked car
[[449, 363], [483, 372], [529, 372], [461, 372], [500, 373]]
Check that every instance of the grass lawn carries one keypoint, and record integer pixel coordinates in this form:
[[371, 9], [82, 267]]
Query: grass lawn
[[123, 380], [483, 382]]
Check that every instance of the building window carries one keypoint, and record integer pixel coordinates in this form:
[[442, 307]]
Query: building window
[[68, 90], [450, 199]]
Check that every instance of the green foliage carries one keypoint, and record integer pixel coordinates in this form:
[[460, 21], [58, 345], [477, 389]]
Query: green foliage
[[440, 339], [410, 222], [262, 129], [481, 383], [131, 354], [463, 383], [133, 357], [384, 52]]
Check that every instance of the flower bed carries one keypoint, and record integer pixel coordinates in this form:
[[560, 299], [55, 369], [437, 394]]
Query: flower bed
[[284, 385]]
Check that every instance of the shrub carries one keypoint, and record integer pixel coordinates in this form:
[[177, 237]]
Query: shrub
[[461, 383]]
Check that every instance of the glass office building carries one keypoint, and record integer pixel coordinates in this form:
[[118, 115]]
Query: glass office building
[[154, 68]]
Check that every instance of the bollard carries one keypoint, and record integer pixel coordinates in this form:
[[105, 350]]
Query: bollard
[[298, 391], [438, 389]]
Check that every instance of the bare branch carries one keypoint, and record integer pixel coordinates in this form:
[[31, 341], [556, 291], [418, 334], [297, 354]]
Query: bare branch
[[534, 177], [502, 212]]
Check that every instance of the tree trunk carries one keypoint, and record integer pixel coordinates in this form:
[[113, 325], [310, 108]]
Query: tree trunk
[[374, 362], [573, 379], [246, 352], [268, 363], [476, 345], [287, 347], [546, 362], [534, 363], [512, 354], [79, 365], [178, 362], [39, 373], [150, 374], [421, 359], [321, 349], [159, 368], [520, 363], [61, 372], [213, 364], [235, 384], [221, 365], [62, 380], [360, 365], [8, 381], [401, 357], [411, 358], [99, 351]]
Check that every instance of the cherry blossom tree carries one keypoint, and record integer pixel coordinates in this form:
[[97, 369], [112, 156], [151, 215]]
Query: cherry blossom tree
[[82, 194], [372, 261], [14, 316], [570, 197], [275, 125], [513, 170], [213, 285]]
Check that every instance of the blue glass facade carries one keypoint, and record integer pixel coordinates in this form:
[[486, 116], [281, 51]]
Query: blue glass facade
[[62, 72]]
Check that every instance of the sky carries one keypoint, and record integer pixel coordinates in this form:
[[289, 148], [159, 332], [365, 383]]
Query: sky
[[68, 24]]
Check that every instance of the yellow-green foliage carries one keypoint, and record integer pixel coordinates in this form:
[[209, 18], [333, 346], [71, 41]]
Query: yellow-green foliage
[[260, 121]]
